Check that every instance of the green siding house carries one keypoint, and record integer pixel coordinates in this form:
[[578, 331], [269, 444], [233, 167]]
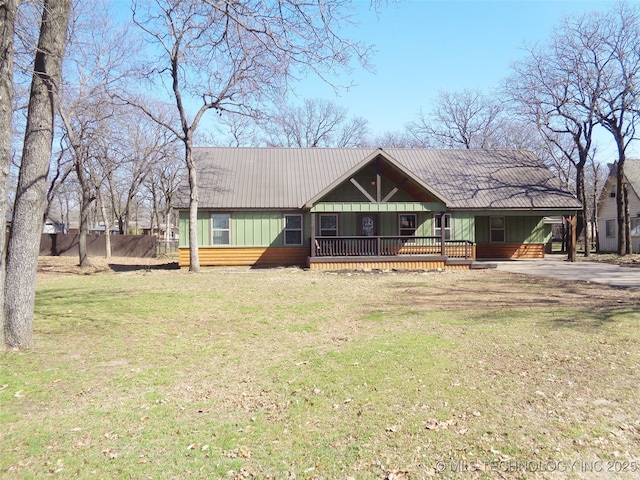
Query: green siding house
[[363, 208]]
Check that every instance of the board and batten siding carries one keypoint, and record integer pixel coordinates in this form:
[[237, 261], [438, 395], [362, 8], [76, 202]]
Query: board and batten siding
[[265, 228], [518, 229], [463, 226], [346, 192], [248, 229], [204, 227], [251, 229], [462, 222]]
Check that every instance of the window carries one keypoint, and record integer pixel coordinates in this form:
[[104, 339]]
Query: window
[[614, 189], [407, 224], [328, 225], [635, 227], [610, 228], [437, 225], [496, 227], [293, 229], [220, 229]]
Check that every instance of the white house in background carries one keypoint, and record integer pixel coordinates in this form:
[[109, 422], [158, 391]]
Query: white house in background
[[607, 209], [52, 225]]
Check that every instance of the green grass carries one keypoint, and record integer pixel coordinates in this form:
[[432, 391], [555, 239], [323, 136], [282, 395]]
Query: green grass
[[166, 374]]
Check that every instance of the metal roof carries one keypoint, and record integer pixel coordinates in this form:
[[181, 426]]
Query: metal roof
[[632, 173], [289, 178]]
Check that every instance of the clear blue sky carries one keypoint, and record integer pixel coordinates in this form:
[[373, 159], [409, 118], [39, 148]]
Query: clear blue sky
[[427, 46]]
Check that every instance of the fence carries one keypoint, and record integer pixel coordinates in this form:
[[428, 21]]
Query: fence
[[66, 245], [166, 246]]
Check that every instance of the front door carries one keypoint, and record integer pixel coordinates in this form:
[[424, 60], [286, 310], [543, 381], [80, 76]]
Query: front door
[[367, 224]]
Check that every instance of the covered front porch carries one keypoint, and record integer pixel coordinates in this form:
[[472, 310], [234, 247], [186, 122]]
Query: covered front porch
[[392, 237], [390, 252]]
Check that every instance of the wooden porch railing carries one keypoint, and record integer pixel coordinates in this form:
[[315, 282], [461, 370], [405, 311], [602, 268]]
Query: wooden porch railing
[[391, 246]]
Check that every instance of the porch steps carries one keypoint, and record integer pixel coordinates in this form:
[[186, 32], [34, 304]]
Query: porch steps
[[482, 265], [461, 262]]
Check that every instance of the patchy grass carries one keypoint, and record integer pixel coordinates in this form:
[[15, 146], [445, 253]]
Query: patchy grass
[[283, 373]]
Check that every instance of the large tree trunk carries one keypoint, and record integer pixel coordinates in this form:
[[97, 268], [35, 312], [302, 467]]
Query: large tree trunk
[[8, 10], [621, 208], [582, 214], [107, 224], [194, 257], [83, 231], [168, 226], [627, 220], [24, 240], [85, 205]]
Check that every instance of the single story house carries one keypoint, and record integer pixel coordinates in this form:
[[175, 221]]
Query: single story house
[[358, 208], [608, 210]]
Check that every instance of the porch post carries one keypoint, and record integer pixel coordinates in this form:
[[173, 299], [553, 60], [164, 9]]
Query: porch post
[[378, 181], [313, 234], [442, 234]]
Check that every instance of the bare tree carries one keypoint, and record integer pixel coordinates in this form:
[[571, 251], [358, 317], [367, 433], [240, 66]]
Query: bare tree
[[391, 139], [8, 9], [162, 184], [61, 168], [595, 177], [232, 130], [315, 123], [466, 119], [24, 239], [551, 89], [97, 178], [611, 42], [137, 144], [231, 56], [97, 58]]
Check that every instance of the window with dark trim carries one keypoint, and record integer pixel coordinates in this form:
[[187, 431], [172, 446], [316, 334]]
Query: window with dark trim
[[293, 229], [220, 229], [437, 225], [407, 224], [497, 229], [610, 228], [328, 225]]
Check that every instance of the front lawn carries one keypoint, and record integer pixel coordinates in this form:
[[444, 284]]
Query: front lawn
[[291, 374]]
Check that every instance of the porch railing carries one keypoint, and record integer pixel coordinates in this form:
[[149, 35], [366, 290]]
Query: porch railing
[[391, 246]]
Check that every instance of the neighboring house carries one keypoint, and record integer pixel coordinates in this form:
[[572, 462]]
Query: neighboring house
[[607, 207], [52, 225], [364, 208], [100, 229], [161, 232]]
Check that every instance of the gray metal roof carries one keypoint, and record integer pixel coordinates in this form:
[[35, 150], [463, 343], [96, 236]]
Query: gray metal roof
[[632, 173], [288, 178]]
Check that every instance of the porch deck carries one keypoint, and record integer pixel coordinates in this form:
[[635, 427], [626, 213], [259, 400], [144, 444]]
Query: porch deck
[[386, 253]]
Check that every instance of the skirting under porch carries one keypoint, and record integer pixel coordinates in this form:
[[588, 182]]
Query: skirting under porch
[[388, 264]]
